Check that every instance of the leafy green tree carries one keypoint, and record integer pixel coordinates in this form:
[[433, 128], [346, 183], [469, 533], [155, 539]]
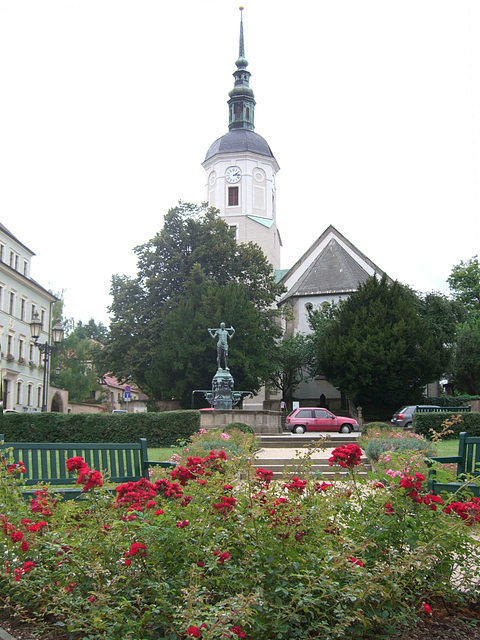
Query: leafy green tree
[[378, 349], [191, 275], [292, 362], [74, 362], [464, 282], [466, 360]]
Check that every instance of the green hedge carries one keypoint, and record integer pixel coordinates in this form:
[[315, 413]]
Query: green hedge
[[423, 422], [450, 401], [160, 429]]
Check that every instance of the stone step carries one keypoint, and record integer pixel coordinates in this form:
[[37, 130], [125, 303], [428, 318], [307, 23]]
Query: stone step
[[290, 440]]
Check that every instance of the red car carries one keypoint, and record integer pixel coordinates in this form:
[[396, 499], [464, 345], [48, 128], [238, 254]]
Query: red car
[[319, 419]]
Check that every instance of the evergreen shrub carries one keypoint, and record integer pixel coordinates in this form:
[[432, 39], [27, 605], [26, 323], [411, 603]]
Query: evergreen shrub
[[161, 429], [241, 426]]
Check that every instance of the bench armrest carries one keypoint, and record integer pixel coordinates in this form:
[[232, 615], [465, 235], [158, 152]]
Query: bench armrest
[[160, 463], [446, 459]]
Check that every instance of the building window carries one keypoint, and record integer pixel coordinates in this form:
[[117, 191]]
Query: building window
[[39, 397], [23, 307], [234, 229], [233, 196], [12, 259], [2, 252], [9, 344], [29, 395], [11, 303], [239, 112], [1, 298], [25, 268], [43, 318], [21, 345], [34, 310], [19, 392]]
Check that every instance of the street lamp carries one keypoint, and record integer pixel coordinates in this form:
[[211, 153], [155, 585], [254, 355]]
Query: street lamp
[[45, 349]]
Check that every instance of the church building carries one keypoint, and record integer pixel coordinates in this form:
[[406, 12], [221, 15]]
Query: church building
[[240, 171]]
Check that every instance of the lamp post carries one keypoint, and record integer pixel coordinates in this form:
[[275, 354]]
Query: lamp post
[[45, 349]]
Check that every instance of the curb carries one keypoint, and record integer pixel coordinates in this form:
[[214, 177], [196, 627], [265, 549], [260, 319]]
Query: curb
[[4, 635]]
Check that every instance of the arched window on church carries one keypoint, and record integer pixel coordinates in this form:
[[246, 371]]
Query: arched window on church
[[239, 112]]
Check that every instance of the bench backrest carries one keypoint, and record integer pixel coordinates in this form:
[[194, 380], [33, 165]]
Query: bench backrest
[[469, 452], [466, 409], [45, 462]]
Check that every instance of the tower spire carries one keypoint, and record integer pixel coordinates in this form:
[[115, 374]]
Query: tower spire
[[241, 106]]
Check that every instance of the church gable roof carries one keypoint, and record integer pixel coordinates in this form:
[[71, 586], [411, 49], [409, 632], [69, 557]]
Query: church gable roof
[[332, 265], [333, 271]]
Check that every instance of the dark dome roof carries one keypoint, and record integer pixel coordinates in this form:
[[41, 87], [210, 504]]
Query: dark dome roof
[[239, 140]]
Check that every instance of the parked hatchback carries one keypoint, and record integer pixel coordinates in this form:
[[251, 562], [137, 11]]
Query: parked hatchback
[[319, 419], [404, 416]]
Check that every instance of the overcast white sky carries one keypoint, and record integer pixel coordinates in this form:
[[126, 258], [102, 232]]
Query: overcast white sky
[[107, 108]]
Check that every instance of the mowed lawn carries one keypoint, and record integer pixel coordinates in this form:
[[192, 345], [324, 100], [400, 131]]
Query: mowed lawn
[[163, 453]]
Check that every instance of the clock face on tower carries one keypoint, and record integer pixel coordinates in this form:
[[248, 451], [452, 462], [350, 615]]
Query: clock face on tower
[[233, 175]]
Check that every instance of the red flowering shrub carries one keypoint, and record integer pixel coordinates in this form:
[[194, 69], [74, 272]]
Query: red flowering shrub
[[75, 464], [347, 456], [17, 467], [43, 503], [263, 477], [296, 485], [468, 511], [309, 558], [86, 476], [221, 557], [225, 506]]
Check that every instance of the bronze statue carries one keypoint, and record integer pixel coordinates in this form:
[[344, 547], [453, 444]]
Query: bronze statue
[[223, 334]]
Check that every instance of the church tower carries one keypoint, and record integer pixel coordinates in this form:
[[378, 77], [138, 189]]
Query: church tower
[[240, 169]]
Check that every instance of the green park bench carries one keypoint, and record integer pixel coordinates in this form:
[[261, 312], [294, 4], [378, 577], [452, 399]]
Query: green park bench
[[468, 465], [45, 463]]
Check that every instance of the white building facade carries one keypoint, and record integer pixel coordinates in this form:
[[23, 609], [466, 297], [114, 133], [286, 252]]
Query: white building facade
[[21, 364]]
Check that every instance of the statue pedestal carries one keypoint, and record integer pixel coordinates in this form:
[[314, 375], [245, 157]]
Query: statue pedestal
[[222, 387]]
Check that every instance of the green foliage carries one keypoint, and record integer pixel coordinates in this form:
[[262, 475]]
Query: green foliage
[[231, 440], [292, 362], [215, 557], [466, 360], [380, 445], [464, 282], [75, 359], [378, 438], [450, 401], [423, 423], [160, 429], [190, 276], [241, 426], [379, 349]]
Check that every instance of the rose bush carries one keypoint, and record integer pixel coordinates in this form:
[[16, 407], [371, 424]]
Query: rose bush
[[219, 549]]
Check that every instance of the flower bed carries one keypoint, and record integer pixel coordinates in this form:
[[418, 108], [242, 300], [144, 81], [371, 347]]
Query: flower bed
[[200, 553]]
